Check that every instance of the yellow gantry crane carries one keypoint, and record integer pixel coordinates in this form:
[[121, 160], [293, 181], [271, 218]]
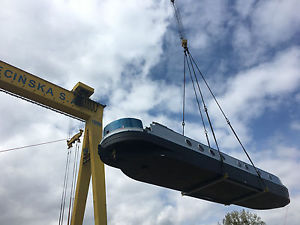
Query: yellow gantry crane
[[77, 104]]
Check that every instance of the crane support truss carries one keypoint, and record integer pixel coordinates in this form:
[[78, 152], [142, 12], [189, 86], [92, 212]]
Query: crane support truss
[[77, 104]]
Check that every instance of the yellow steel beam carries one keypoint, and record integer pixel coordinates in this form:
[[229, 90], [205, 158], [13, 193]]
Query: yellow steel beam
[[91, 166], [98, 173], [75, 103]]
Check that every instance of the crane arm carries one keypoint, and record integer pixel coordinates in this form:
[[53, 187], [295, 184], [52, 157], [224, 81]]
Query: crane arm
[[75, 103]]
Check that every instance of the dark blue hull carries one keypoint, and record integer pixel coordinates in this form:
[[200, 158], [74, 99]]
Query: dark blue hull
[[154, 160]]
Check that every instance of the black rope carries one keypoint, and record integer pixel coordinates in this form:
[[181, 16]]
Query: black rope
[[63, 198], [178, 19], [33, 145], [76, 171], [196, 96], [227, 120], [205, 108], [183, 101], [184, 45], [72, 183]]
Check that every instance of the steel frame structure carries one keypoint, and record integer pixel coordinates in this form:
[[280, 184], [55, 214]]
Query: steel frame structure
[[77, 104]]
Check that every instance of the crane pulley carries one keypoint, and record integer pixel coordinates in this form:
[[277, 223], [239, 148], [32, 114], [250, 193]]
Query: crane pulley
[[75, 138]]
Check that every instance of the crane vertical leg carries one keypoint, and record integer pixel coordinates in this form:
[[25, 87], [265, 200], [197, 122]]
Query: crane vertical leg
[[98, 173], [91, 166]]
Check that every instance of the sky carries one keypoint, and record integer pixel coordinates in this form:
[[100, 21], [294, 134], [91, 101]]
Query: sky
[[130, 53]]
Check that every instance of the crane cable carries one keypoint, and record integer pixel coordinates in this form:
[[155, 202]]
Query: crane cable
[[65, 186], [178, 19], [197, 100], [73, 183], [205, 107], [33, 145], [183, 100], [226, 118], [193, 62]]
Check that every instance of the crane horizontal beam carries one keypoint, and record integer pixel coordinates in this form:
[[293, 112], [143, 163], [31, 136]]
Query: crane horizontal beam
[[75, 103]]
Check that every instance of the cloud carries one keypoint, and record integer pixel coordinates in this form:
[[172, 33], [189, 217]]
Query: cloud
[[276, 21], [245, 9], [251, 92], [295, 125], [113, 46], [288, 158]]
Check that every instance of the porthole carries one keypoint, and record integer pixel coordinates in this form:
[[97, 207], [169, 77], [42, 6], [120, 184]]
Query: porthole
[[189, 143], [200, 148], [239, 163], [212, 152]]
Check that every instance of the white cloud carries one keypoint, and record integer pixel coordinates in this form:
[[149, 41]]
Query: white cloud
[[295, 125], [251, 91], [204, 25], [112, 45], [298, 97], [242, 37], [282, 161], [276, 21], [244, 8]]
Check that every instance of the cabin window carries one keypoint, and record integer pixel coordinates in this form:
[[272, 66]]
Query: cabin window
[[189, 143], [200, 148], [246, 166], [212, 152], [270, 177]]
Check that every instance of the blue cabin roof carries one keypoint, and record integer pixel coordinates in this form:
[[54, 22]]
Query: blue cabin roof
[[122, 123]]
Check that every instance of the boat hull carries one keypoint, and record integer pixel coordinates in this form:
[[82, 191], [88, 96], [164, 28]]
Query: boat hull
[[155, 160]]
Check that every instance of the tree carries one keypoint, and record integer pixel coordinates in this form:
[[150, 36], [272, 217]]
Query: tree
[[242, 218]]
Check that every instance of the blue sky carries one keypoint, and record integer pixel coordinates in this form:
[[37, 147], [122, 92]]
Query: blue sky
[[129, 51]]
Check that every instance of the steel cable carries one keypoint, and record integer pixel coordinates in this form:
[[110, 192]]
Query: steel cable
[[33, 145], [197, 100]]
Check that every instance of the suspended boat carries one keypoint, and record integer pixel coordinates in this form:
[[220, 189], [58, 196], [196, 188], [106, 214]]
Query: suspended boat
[[157, 155]]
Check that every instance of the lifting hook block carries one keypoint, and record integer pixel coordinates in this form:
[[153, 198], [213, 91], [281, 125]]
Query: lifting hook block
[[184, 43], [75, 138]]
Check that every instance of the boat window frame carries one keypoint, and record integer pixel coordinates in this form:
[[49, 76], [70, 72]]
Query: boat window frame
[[212, 152], [188, 142], [200, 147]]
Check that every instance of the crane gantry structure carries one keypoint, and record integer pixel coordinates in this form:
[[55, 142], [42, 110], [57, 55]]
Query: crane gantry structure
[[76, 104]]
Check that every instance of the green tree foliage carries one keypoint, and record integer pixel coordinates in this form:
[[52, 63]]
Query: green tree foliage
[[242, 218]]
